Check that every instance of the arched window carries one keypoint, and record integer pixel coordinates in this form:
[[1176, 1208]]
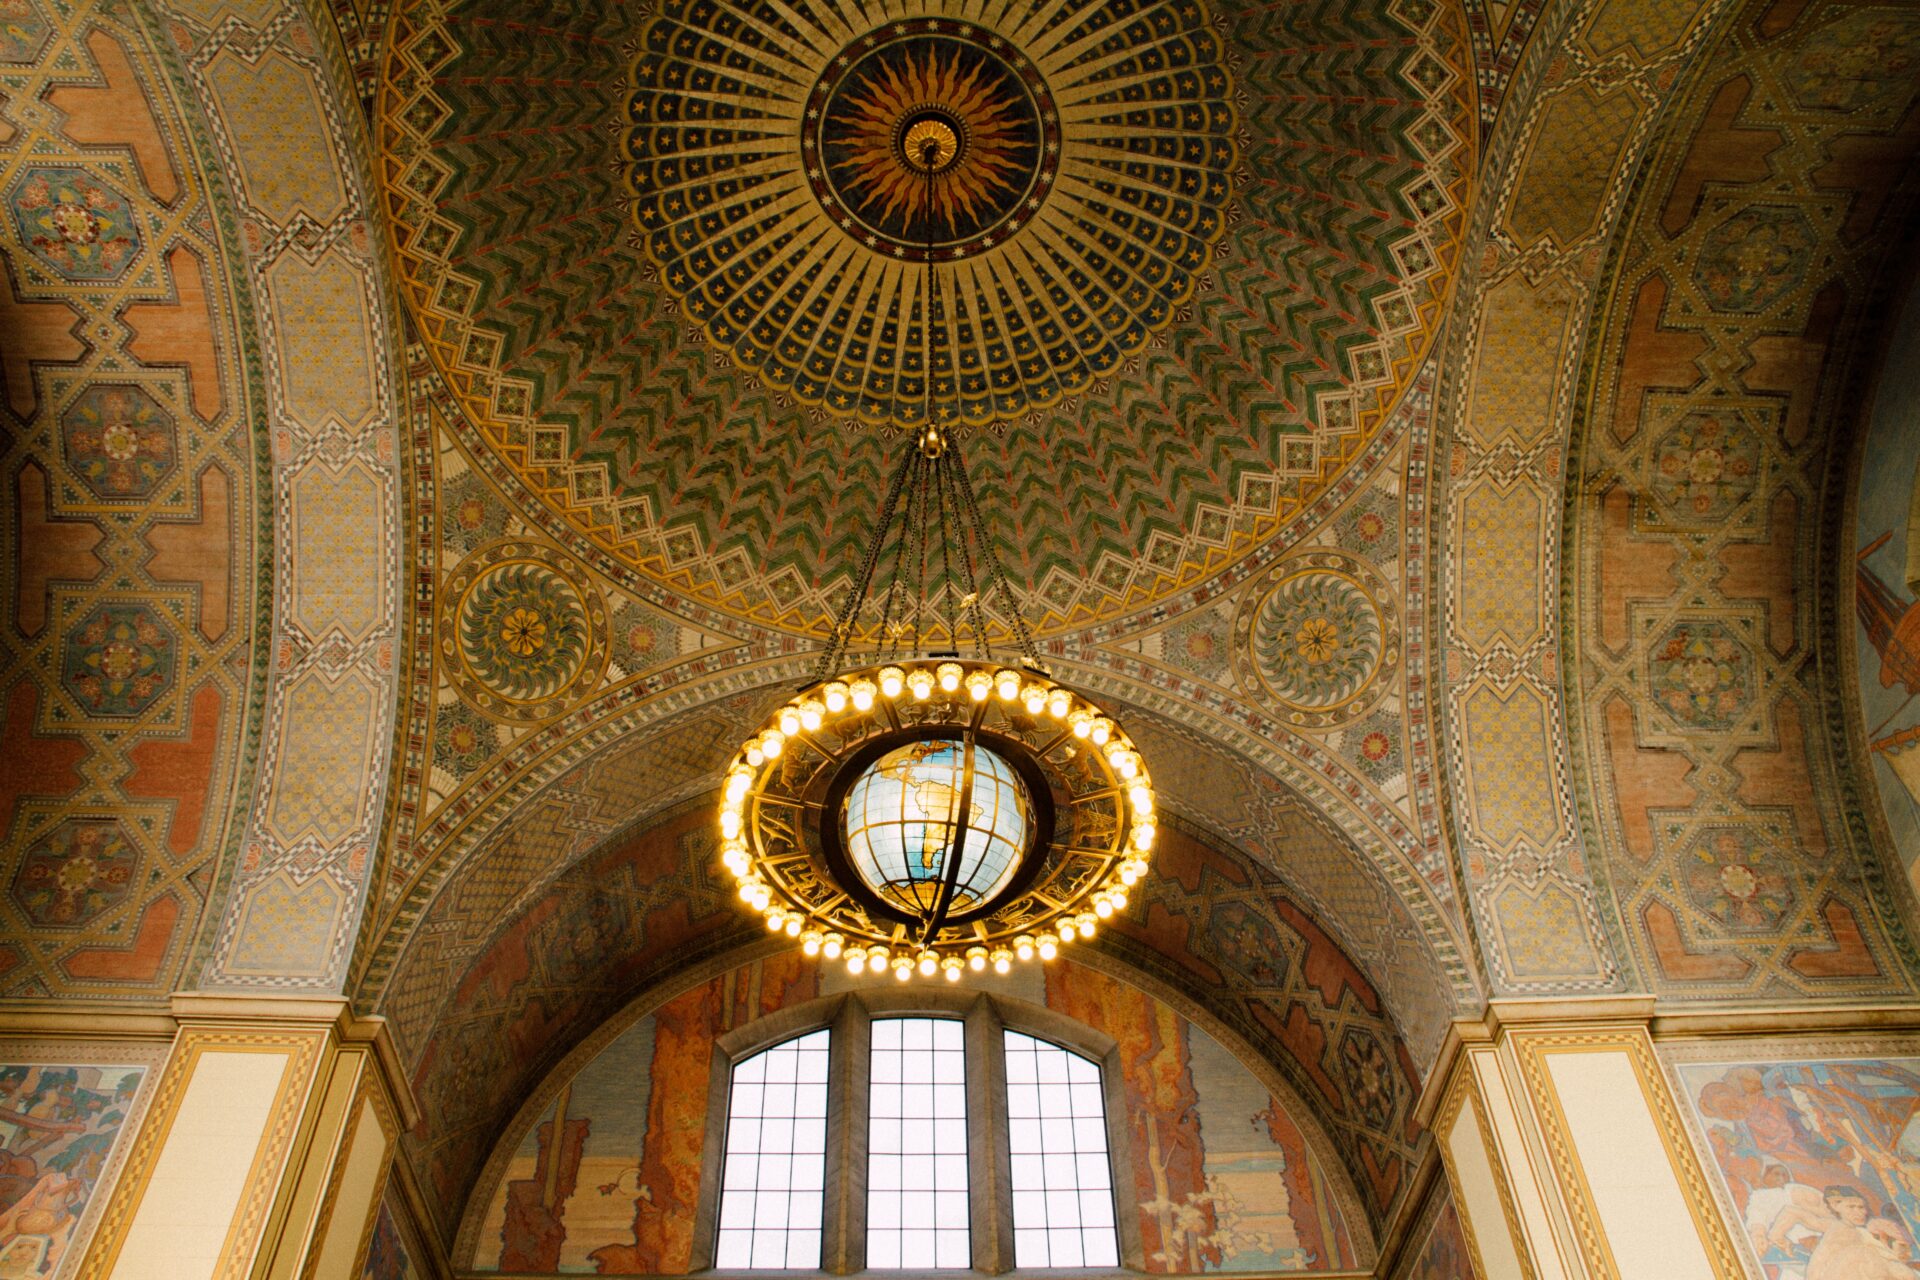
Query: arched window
[[909, 1137]]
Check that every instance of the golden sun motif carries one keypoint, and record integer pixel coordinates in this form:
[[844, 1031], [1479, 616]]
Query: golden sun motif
[[993, 153]]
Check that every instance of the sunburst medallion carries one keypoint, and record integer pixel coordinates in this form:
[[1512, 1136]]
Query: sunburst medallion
[[1081, 157]]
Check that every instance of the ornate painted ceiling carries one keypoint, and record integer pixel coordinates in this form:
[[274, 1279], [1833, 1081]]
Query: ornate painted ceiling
[[1186, 258], [435, 435]]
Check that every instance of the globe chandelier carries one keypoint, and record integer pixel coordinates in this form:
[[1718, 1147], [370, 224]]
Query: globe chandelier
[[927, 804]]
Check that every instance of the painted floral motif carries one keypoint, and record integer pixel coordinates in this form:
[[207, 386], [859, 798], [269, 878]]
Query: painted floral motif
[[1247, 940], [1857, 62], [120, 442], [1706, 467], [1199, 643], [1703, 674], [523, 630], [471, 516], [1754, 258], [23, 30], [76, 872], [463, 739], [1375, 747], [75, 225], [1737, 876], [523, 637], [1318, 639], [1368, 527], [643, 638], [120, 659]]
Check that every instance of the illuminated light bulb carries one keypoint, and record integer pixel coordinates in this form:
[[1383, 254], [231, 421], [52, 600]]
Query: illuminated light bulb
[[755, 756], [1129, 874], [747, 887], [921, 682], [861, 691], [776, 920], [892, 680], [1059, 702], [790, 720], [1047, 945], [810, 942], [877, 958], [950, 968], [928, 963], [1102, 731], [1007, 681], [730, 824], [976, 958], [1081, 722], [979, 685], [1129, 765], [1065, 929], [1034, 698], [1118, 897], [793, 925], [857, 961], [1142, 796], [831, 946], [1002, 962], [1115, 751], [1023, 947], [735, 859], [836, 696], [1103, 906], [738, 783], [772, 743], [1086, 922], [761, 897], [811, 714], [902, 968], [1143, 835], [949, 673]]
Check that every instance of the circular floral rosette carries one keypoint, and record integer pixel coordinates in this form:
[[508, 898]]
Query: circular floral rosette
[[1317, 633], [523, 632]]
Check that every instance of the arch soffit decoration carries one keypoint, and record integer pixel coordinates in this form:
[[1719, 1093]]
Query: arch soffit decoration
[[620, 779], [793, 1020], [1212, 927]]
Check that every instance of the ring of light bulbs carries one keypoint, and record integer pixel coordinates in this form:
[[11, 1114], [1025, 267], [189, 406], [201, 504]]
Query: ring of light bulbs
[[770, 815]]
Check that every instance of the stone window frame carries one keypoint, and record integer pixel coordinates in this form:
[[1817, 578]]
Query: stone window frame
[[986, 1019]]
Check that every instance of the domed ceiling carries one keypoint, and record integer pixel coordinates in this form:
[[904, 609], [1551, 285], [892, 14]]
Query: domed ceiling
[[673, 264]]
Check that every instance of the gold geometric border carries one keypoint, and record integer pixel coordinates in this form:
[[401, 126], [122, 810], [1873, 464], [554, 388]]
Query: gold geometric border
[[303, 1054], [368, 1090], [1532, 1049], [1461, 1093]]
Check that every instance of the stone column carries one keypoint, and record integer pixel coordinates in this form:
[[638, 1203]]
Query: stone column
[[1565, 1149], [264, 1150]]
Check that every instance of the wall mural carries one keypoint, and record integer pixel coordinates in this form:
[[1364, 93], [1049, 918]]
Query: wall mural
[[1819, 1162], [606, 1180], [1886, 581], [1443, 1254], [58, 1124], [388, 1255]]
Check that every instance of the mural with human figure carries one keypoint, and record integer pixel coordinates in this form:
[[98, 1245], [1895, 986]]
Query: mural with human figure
[[388, 1257], [606, 1180], [1820, 1161], [58, 1127]]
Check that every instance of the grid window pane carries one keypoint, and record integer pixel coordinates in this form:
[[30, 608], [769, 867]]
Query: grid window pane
[[776, 1158], [917, 1146], [1062, 1186]]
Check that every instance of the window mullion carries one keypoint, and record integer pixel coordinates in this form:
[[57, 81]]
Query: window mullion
[[843, 1242], [990, 1206]]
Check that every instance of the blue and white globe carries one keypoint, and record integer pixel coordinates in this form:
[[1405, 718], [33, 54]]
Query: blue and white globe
[[901, 819]]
